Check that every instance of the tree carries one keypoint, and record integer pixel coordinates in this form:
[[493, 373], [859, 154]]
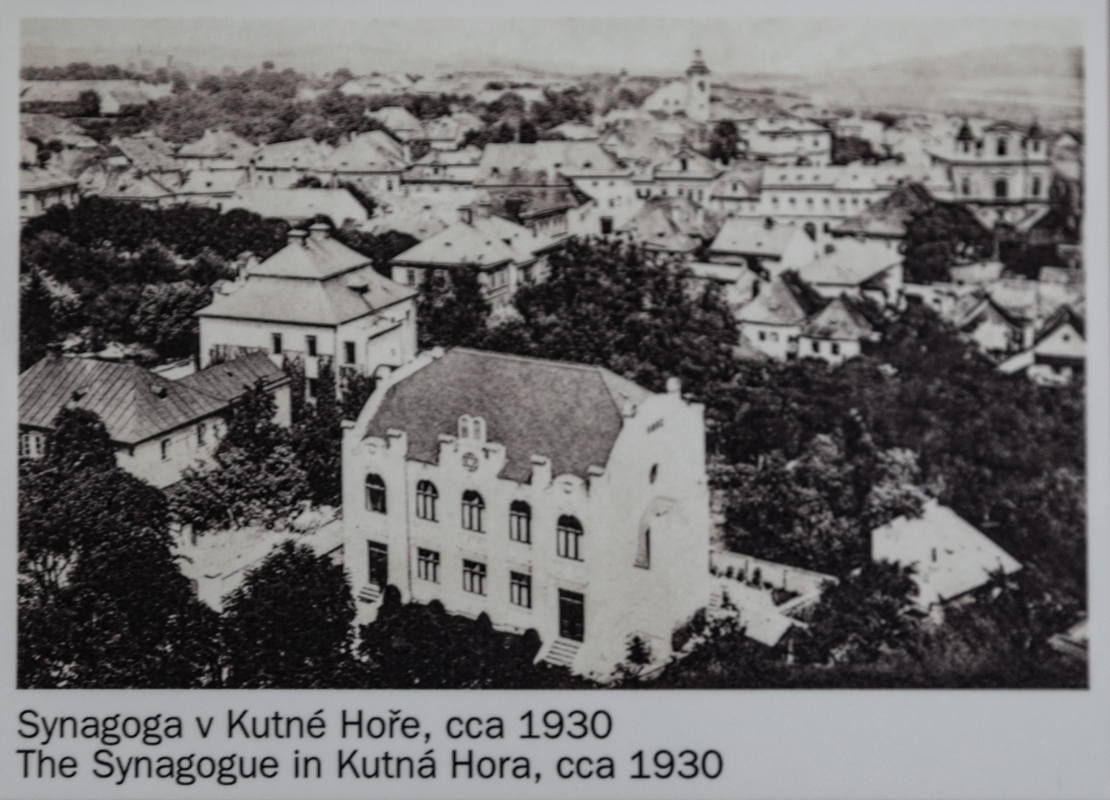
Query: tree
[[252, 430], [307, 181], [526, 133], [637, 659], [165, 317], [940, 237], [849, 149], [289, 624], [404, 648], [357, 391], [723, 141], [318, 440], [863, 615], [102, 602], [617, 305], [37, 328], [452, 309]]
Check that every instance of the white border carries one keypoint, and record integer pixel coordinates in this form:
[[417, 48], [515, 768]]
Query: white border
[[802, 743]]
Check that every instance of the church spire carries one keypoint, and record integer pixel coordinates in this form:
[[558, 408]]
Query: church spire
[[697, 66]]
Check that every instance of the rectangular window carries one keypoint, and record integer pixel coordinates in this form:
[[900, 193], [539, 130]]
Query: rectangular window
[[310, 344], [816, 346], [835, 348], [275, 343], [520, 589], [474, 577], [427, 565], [348, 352], [313, 385], [166, 449], [201, 430]]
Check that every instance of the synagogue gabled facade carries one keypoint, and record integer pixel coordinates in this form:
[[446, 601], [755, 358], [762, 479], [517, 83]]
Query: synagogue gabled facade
[[547, 495]]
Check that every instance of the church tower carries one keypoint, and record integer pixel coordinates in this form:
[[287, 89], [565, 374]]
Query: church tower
[[697, 89]]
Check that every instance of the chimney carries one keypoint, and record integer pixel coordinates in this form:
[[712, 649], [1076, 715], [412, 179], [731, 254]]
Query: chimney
[[319, 231], [830, 248], [466, 215], [297, 236], [674, 385], [768, 223]]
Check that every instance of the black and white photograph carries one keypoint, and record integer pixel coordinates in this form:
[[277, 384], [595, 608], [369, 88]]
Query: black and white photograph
[[565, 353]]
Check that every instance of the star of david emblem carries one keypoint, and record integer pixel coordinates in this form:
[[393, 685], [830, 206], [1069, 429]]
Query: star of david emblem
[[470, 461]]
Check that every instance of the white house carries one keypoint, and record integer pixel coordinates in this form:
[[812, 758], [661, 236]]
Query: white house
[[1002, 170], [772, 322], [787, 140], [951, 557], [547, 495], [505, 255], [857, 268], [835, 333], [158, 426], [42, 188], [764, 244], [688, 95], [314, 299]]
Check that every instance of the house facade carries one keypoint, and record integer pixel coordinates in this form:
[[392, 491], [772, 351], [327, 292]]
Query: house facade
[[549, 496], [159, 426], [314, 300], [1004, 169]]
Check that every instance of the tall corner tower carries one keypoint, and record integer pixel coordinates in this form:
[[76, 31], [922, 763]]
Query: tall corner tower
[[697, 89]]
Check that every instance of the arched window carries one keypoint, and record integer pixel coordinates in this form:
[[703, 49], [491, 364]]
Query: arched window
[[568, 542], [520, 522], [472, 507], [375, 493], [1001, 189], [1001, 145], [426, 496]]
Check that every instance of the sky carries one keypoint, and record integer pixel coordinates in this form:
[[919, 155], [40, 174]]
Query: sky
[[654, 45]]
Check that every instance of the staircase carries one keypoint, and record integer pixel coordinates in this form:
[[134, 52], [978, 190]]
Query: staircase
[[370, 593], [562, 653]]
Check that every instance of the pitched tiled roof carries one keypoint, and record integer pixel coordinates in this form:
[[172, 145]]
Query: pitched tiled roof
[[745, 236], [776, 304], [373, 152], [212, 181], [483, 242], [297, 153], [146, 153], [45, 127], [35, 179], [218, 143], [230, 379], [888, 216], [576, 159], [569, 413], [838, 320], [300, 204], [672, 224], [397, 118], [850, 263], [134, 404], [952, 556], [325, 301]]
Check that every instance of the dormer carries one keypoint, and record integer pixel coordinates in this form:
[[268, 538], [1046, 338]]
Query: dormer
[[472, 429]]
